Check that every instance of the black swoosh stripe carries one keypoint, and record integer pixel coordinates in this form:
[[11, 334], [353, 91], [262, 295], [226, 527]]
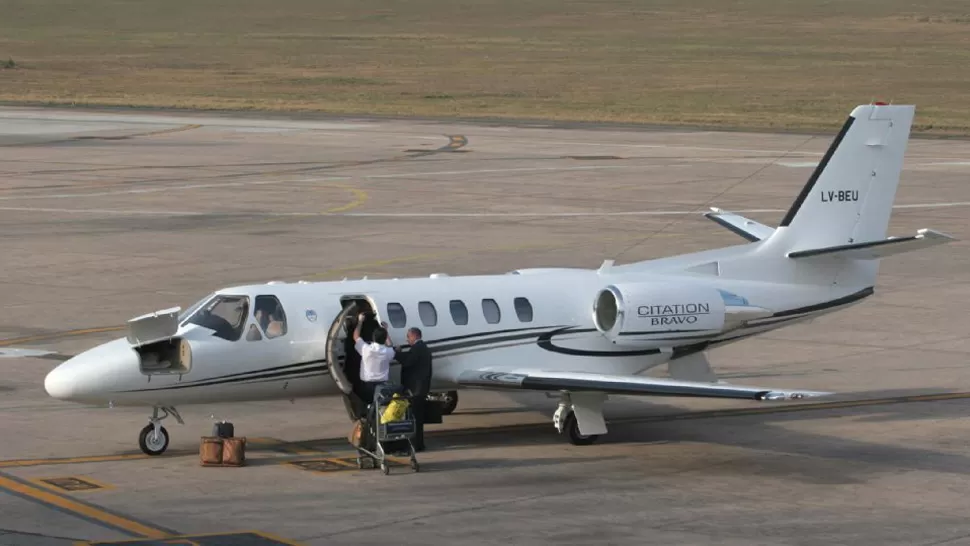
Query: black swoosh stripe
[[482, 342], [224, 380], [545, 342], [861, 294], [258, 372], [482, 334]]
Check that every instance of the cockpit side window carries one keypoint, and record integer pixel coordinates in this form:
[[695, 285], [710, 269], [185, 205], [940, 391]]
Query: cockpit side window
[[270, 317], [225, 314]]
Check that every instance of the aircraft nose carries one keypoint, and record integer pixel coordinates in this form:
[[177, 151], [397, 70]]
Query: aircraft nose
[[91, 375], [58, 383]]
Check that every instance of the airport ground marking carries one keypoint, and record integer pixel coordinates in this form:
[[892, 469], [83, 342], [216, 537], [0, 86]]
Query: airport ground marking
[[72, 484], [243, 538], [84, 510], [472, 430]]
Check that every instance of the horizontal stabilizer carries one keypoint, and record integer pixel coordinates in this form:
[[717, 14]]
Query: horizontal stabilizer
[[874, 250], [749, 229], [541, 380]]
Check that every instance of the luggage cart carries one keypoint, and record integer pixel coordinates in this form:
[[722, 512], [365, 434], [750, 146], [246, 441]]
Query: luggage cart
[[392, 437]]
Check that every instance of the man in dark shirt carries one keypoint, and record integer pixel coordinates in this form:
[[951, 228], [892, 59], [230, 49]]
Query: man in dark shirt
[[416, 376]]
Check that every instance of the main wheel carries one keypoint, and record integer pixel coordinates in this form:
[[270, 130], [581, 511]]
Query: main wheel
[[385, 469], [572, 432], [151, 443], [415, 466], [451, 403]]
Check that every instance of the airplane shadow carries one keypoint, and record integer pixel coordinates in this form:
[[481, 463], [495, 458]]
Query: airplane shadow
[[428, 465], [823, 458]]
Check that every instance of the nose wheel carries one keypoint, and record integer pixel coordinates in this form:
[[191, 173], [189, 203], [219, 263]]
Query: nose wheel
[[153, 442], [153, 439]]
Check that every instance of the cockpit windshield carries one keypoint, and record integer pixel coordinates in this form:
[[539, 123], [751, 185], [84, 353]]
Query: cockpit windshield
[[224, 314], [186, 313]]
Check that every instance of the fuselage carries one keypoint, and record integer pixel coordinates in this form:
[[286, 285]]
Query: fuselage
[[536, 318]]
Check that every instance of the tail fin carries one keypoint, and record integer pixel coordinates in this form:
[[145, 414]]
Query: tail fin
[[849, 197]]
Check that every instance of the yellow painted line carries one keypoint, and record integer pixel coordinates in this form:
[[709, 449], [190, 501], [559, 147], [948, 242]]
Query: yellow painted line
[[340, 462], [80, 460], [187, 539], [85, 510], [55, 335], [360, 197]]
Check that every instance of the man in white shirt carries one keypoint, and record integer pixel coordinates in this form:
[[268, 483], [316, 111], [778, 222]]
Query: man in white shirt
[[375, 359]]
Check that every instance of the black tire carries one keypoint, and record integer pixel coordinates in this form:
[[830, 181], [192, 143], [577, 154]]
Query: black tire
[[385, 469], [415, 466], [572, 432], [152, 447], [450, 403]]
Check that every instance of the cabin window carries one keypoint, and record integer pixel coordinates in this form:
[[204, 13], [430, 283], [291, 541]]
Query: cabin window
[[491, 311], [270, 317], [523, 309], [226, 315], [396, 315], [428, 314], [459, 313]]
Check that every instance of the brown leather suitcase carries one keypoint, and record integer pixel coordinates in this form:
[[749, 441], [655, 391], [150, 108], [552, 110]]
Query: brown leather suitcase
[[234, 451], [355, 434], [210, 451]]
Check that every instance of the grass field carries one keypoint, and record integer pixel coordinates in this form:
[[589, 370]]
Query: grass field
[[796, 64]]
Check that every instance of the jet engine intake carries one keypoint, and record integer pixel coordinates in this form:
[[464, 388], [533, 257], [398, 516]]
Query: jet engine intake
[[638, 311]]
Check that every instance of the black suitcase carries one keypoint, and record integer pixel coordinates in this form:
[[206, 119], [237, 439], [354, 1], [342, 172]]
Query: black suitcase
[[433, 412], [223, 430]]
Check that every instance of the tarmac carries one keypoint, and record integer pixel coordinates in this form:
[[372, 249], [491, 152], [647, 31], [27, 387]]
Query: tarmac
[[106, 216]]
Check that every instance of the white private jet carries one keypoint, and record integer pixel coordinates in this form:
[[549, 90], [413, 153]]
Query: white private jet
[[581, 333]]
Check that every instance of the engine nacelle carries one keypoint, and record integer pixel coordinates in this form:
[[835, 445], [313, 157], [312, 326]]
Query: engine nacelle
[[637, 312]]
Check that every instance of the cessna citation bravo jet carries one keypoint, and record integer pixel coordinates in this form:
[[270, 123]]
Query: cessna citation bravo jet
[[581, 334]]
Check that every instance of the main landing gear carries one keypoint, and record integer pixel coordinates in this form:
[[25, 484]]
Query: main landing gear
[[153, 439], [580, 417], [448, 399]]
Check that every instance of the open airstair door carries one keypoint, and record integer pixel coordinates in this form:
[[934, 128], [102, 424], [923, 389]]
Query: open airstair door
[[338, 345]]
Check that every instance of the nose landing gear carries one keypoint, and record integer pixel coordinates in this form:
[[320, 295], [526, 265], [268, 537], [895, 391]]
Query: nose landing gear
[[153, 439]]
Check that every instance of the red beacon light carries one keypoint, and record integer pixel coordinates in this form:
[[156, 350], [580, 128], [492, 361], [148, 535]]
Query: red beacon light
[[880, 103]]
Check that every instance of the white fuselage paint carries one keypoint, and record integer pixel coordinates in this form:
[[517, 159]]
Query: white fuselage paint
[[294, 365]]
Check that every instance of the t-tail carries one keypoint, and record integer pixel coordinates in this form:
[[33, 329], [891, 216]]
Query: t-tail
[[839, 221]]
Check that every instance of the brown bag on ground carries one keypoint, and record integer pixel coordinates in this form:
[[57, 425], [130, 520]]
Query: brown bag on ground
[[234, 451], [354, 436], [210, 451]]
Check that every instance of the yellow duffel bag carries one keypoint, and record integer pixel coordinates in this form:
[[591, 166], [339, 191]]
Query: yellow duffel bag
[[395, 410]]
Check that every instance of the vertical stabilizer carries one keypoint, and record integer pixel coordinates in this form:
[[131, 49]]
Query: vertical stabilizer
[[850, 195]]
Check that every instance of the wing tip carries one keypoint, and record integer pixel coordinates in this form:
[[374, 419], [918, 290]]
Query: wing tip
[[791, 395]]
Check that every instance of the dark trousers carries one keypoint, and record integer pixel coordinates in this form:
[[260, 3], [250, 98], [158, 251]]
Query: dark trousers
[[366, 392], [418, 405]]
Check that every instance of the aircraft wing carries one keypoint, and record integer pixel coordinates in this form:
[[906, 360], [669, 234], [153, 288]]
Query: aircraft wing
[[541, 380], [745, 227]]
